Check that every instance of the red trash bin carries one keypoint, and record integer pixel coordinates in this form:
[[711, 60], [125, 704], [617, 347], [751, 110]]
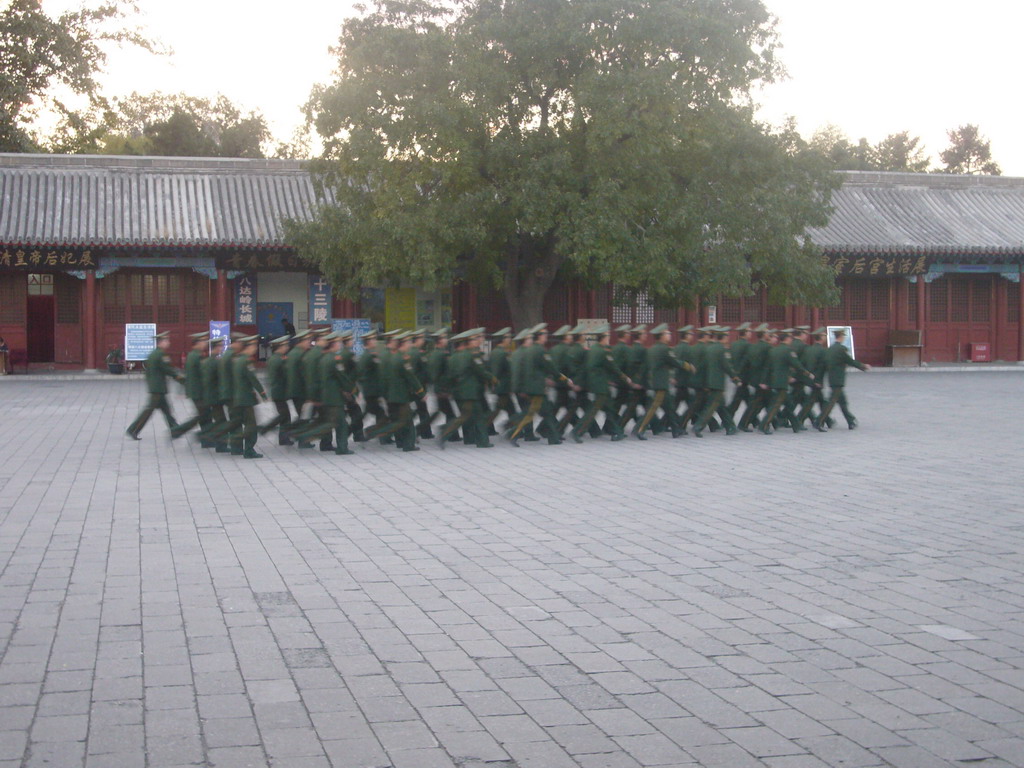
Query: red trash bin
[[981, 352]]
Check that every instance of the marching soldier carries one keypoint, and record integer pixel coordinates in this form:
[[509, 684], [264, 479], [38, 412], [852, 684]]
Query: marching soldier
[[661, 366], [301, 342], [717, 365], [158, 370], [739, 350], [622, 353], [368, 371], [837, 359], [500, 365], [348, 367], [524, 340], [536, 369], [277, 382], [758, 373], [418, 361], [576, 369], [210, 368], [684, 379], [194, 387], [401, 387], [784, 365], [560, 359], [312, 412], [438, 378], [601, 371], [225, 378], [335, 389], [698, 380], [814, 359], [247, 393], [469, 376]]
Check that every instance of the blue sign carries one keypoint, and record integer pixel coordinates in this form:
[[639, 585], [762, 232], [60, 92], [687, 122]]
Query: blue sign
[[139, 340], [358, 326], [319, 301], [245, 299], [218, 329]]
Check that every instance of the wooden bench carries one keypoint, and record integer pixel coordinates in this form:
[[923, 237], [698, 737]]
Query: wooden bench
[[904, 349]]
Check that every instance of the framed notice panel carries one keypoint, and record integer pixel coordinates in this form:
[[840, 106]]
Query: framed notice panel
[[847, 342], [139, 340]]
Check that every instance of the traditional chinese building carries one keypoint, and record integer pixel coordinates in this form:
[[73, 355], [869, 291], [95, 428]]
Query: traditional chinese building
[[88, 244]]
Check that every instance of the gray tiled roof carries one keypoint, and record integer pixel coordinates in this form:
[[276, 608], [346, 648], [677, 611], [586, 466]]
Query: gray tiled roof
[[149, 201], [921, 213]]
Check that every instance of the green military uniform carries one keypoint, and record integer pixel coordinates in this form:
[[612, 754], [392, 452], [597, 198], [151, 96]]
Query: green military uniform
[[638, 372], [244, 399], [536, 368], [814, 359], [438, 378], [335, 388], [837, 358], [758, 372], [277, 383], [312, 414], [622, 354], [418, 362], [784, 364], [740, 352], [602, 370], [469, 376], [518, 401], [717, 365], [560, 359], [684, 381], [194, 391], [401, 387], [349, 368], [158, 370], [368, 373], [500, 365], [661, 366], [210, 369]]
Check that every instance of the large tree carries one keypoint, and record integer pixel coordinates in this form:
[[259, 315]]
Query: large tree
[[512, 141], [969, 152], [44, 60], [896, 152]]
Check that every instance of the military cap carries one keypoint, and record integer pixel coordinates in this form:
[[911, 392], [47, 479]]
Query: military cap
[[162, 335], [238, 335], [659, 329], [368, 335], [642, 328], [763, 328], [301, 335], [345, 334], [219, 340], [706, 329], [539, 328], [686, 329], [564, 330], [579, 330], [320, 331], [820, 331], [418, 332], [743, 327], [250, 339], [392, 333], [506, 331], [602, 329], [624, 329], [522, 334], [722, 328], [279, 341], [802, 328], [442, 331], [783, 332], [201, 336]]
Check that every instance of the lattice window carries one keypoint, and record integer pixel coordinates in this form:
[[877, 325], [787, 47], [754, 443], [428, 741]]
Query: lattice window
[[751, 309], [729, 310], [40, 285], [938, 301], [1012, 303], [959, 300], [68, 302], [879, 299], [115, 299], [12, 299], [775, 313], [855, 298], [911, 289], [981, 299], [631, 306], [197, 298]]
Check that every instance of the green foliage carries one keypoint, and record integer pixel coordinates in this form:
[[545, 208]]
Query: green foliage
[[44, 60], [896, 152], [510, 141], [968, 152]]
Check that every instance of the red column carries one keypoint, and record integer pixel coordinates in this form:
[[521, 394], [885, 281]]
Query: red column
[[815, 318], [90, 321], [221, 300]]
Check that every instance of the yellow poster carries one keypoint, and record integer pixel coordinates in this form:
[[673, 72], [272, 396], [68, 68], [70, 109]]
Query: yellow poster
[[400, 308]]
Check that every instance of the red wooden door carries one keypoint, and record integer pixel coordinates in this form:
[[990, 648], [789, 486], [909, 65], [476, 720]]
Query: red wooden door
[[40, 329], [959, 313]]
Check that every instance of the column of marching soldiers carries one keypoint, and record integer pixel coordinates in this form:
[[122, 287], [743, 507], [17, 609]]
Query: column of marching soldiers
[[566, 391]]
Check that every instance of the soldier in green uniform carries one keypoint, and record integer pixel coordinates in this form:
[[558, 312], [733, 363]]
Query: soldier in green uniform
[[368, 371], [247, 392], [813, 357], [524, 340], [194, 387], [698, 379], [717, 365], [798, 386], [277, 382], [622, 353], [296, 384], [536, 369], [684, 379], [349, 369], [601, 371], [661, 366], [158, 370], [784, 365], [758, 373], [401, 387], [437, 376], [560, 359], [637, 372], [739, 350], [222, 434], [470, 376], [418, 361], [335, 389], [575, 367], [210, 368], [500, 366], [837, 358], [312, 414]]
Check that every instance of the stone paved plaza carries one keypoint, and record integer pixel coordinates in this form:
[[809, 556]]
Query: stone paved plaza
[[846, 599]]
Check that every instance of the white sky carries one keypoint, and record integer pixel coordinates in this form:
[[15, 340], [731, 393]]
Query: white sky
[[872, 67]]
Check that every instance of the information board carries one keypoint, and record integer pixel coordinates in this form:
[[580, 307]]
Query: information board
[[218, 329], [358, 326], [139, 340], [847, 342], [400, 308]]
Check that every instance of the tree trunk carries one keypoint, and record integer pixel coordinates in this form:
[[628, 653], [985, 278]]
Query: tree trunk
[[529, 274]]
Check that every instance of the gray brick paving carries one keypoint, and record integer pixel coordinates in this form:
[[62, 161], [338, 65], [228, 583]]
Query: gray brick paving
[[794, 601]]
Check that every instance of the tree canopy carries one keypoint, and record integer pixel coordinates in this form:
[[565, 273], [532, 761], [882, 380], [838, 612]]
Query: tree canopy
[[896, 152], [511, 141], [969, 152], [45, 60]]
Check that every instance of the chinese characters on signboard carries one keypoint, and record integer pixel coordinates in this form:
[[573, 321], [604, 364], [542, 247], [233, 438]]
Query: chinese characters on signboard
[[35, 259], [139, 340], [262, 261], [875, 266], [245, 300], [319, 300], [218, 329]]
